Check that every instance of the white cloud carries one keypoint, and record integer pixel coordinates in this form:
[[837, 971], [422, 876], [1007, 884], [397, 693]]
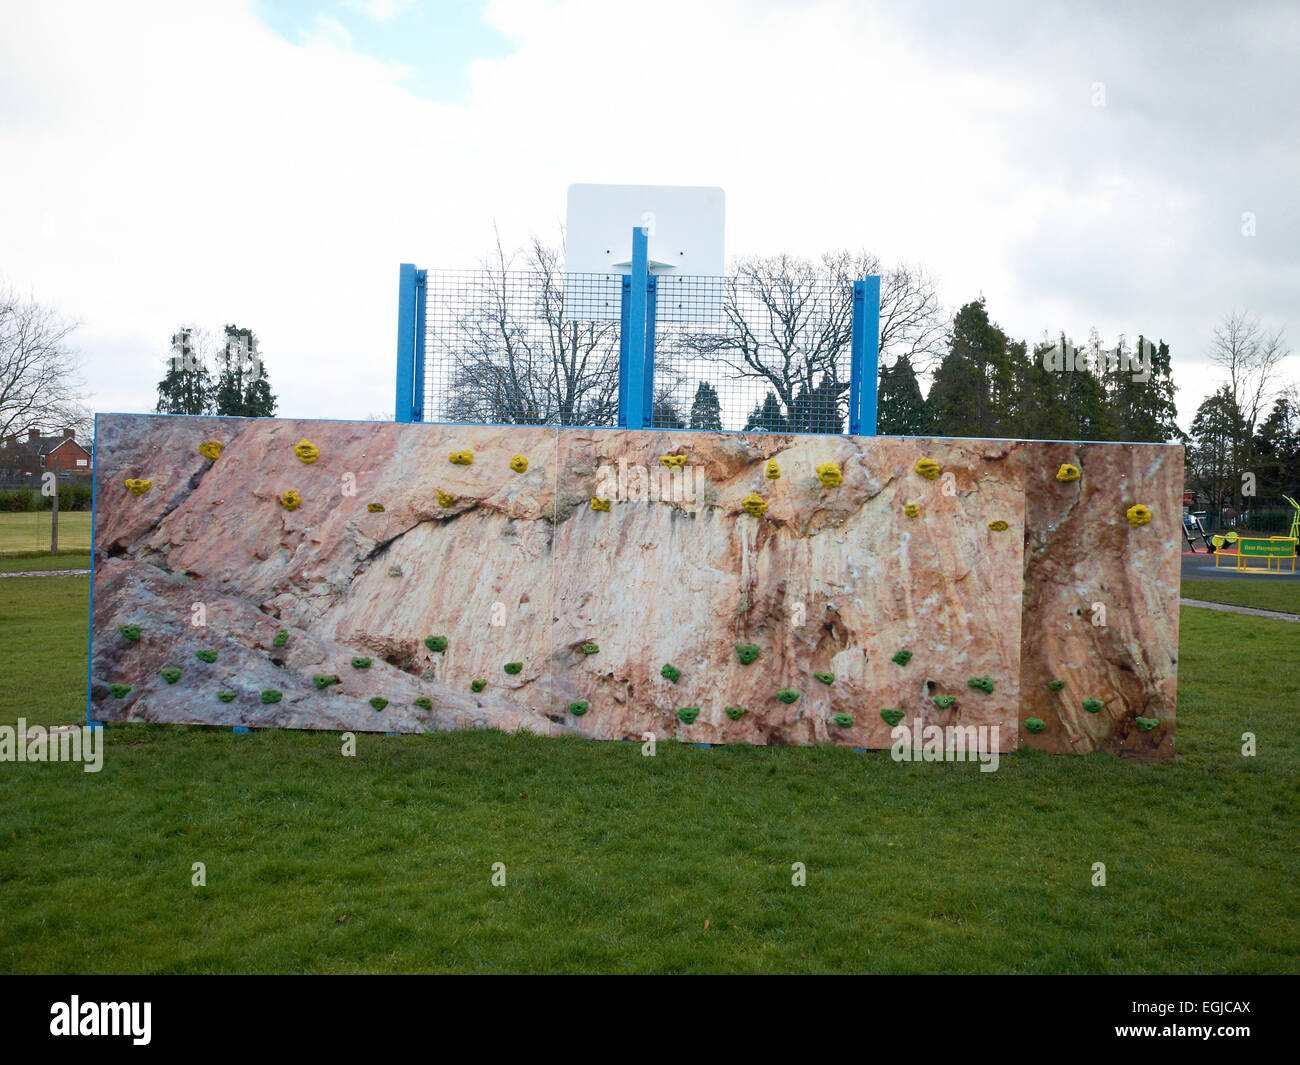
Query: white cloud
[[166, 162], [381, 10]]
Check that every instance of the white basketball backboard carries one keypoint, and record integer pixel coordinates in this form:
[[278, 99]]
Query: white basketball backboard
[[686, 225]]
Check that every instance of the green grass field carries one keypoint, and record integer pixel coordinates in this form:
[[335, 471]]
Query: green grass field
[[1273, 594], [615, 862], [21, 533]]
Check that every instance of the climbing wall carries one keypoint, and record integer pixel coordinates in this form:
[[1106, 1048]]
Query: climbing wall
[[715, 587]]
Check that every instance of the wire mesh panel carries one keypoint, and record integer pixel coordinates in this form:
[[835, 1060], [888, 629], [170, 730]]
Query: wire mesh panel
[[752, 352], [537, 347]]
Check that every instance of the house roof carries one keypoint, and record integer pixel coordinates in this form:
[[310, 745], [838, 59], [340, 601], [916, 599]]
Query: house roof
[[43, 445]]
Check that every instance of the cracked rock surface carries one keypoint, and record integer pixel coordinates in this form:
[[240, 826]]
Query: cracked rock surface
[[520, 568]]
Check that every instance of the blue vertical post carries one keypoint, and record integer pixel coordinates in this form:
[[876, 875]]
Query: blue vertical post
[[406, 315], [864, 357], [632, 403]]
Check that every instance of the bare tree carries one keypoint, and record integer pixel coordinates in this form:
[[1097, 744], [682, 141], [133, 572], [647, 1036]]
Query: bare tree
[[522, 352], [1250, 356], [40, 382], [788, 322]]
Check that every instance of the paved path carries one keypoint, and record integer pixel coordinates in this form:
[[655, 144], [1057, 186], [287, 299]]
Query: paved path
[[48, 573], [1276, 615]]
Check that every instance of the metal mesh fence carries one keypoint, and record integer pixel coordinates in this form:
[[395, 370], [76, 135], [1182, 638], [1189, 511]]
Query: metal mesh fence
[[752, 353], [521, 347]]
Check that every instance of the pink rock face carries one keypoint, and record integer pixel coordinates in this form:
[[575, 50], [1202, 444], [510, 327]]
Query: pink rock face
[[828, 578]]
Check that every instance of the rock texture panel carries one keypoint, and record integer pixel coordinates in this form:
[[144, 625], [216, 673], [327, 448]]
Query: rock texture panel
[[560, 615]]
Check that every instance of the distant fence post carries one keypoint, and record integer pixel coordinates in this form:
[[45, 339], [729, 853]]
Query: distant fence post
[[634, 401], [864, 357], [409, 399], [54, 516]]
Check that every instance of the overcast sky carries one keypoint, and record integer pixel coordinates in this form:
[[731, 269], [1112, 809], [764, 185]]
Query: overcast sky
[[270, 164]]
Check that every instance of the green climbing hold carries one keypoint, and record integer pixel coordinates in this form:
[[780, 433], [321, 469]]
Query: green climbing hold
[[735, 712], [670, 671], [379, 702], [891, 717], [825, 678], [787, 695], [361, 663], [324, 680], [1056, 685], [1093, 705], [589, 649], [477, 685], [436, 643], [226, 697], [903, 657], [119, 691], [171, 674], [1035, 724], [1146, 724], [206, 656], [131, 632], [843, 720], [579, 708], [944, 701], [984, 684], [272, 696], [688, 713], [513, 667], [281, 638], [746, 652], [424, 702]]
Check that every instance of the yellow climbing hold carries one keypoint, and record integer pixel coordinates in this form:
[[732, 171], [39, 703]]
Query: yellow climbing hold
[[138, 486], [291, 500], [1068, 473], [519, 464], [306, 451], [773, 470], [755, 504], [599, 504], [1138, 515], [672, 461], [998, 526], [211, 449], [912, 510], [829, 474], [461, 458], [375, 508], [928, 468], [445, 499]]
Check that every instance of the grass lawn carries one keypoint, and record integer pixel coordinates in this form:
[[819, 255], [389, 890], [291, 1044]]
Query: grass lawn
[[1275, 594], [44, 561], [320, 863], [23, 532]]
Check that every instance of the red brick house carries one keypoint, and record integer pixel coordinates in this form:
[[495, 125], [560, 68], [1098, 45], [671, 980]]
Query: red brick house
[[31, 457]]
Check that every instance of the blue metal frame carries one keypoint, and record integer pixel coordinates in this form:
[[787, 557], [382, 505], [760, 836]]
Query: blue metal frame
[[90, 621], [864, 357], [636, 351], [410, 344], [633, 396]]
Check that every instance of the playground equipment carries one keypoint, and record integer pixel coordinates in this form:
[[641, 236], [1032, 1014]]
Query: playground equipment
[[1274, 550], [1194, 526]]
